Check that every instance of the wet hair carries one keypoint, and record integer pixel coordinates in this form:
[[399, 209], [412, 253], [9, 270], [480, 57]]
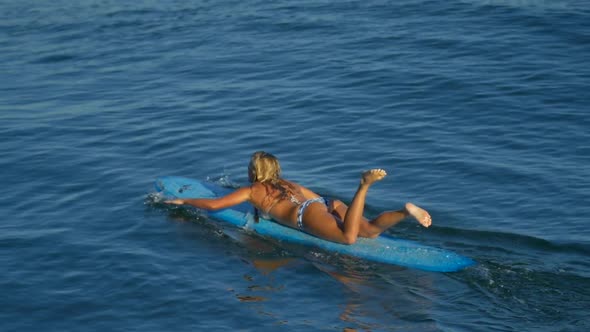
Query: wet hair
[[265, 168]]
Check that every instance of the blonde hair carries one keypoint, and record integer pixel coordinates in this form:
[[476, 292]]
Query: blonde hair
[[264, 168]]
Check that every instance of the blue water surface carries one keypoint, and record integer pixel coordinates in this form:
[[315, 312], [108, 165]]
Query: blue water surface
[[478, 110]]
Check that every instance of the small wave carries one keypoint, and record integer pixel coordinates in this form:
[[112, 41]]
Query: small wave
[[156, 201], [223, 180], [521, 290], [511, 241], [154, 198], [493, 249], [54, 58], [535, 5]]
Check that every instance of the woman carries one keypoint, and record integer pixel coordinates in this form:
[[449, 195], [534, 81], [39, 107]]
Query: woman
[[295, 206]]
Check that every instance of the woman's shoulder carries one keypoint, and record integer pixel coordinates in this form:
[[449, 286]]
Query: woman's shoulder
[[256, 186]]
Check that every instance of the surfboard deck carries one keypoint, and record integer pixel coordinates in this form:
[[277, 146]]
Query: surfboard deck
[[383, 249]]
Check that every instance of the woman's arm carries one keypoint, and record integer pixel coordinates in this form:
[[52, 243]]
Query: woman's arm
[[239, 196]]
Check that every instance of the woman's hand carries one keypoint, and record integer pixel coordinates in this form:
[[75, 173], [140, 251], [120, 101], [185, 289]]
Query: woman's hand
[[175, 202]]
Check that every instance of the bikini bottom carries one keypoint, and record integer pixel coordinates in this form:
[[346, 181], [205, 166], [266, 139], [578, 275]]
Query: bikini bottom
[[304, 206]]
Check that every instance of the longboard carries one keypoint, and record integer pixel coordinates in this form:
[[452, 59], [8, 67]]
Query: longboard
[[383, 249]]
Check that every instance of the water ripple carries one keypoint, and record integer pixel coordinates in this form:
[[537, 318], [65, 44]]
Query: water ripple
[[477, 109]]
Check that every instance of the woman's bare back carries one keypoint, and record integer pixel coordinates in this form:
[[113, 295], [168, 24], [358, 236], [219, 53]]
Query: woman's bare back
[[277, 204]]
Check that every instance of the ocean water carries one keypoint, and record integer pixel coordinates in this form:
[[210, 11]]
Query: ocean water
[[478, 110]]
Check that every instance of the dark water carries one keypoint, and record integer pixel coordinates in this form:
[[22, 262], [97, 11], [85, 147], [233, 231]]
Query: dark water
[[478, 109]]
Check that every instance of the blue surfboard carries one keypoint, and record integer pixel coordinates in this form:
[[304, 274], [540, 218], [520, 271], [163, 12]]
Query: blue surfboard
[[384, 249]]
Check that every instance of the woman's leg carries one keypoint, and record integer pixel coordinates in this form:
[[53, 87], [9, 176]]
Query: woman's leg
[[320, 223], [373, 228]]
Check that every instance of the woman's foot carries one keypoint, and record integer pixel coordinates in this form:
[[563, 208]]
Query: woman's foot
[[419, 214], [371, 176]]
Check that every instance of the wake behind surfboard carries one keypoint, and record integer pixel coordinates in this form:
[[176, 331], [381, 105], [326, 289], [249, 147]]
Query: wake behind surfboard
[[384, 249]]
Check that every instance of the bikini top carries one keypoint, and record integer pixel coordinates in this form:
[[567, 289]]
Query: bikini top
[[292, 199]]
